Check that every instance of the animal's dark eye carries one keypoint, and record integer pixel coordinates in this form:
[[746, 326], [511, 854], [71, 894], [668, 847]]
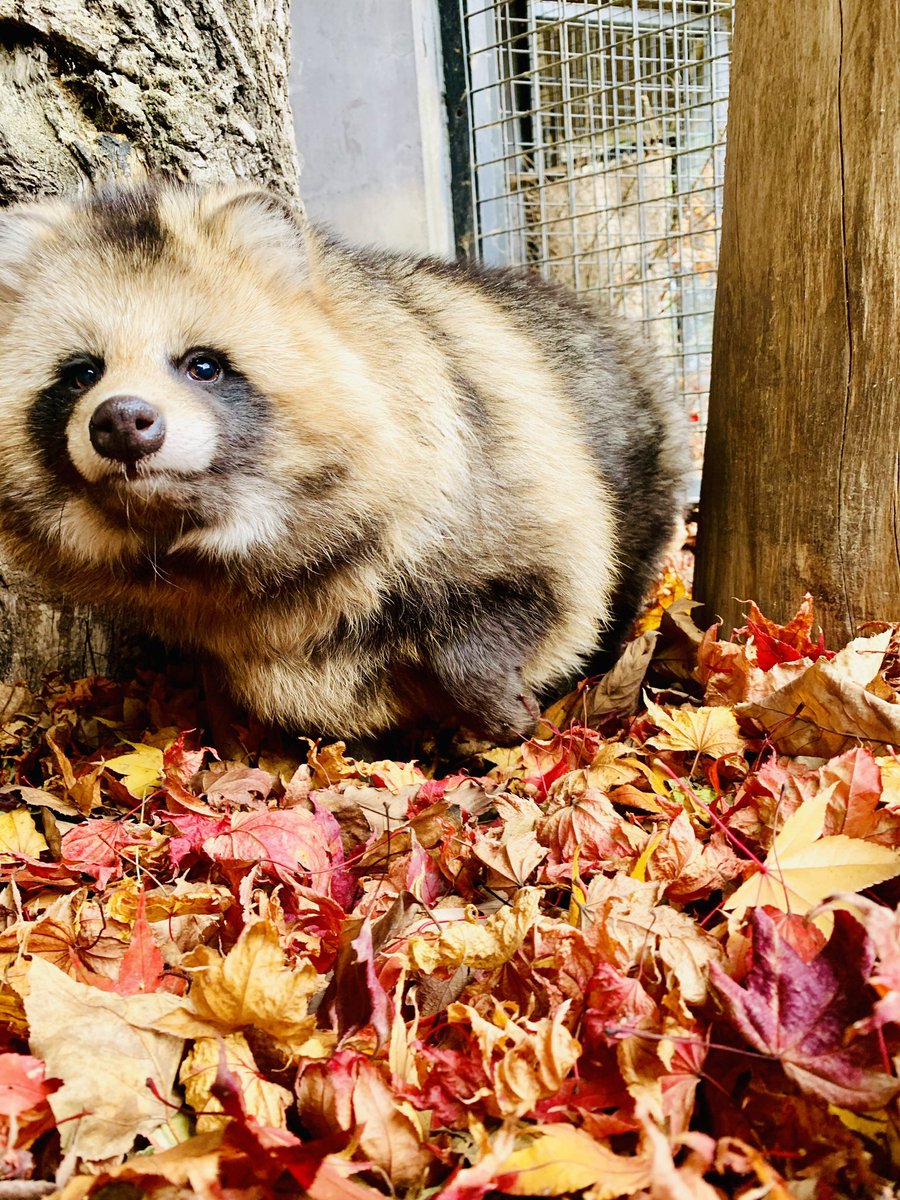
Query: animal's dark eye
[[81, 374], [203, 366]]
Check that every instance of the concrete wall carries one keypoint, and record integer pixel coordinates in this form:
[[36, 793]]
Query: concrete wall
[[367, 93]]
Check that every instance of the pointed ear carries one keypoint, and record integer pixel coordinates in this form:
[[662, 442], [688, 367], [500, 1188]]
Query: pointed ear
[[261, 225], [24, 229]]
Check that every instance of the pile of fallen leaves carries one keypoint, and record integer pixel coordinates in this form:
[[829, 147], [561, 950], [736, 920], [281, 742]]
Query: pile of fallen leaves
[[653, 952]]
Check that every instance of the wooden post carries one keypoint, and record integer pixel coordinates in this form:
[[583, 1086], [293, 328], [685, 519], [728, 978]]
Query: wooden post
[[802, 470]]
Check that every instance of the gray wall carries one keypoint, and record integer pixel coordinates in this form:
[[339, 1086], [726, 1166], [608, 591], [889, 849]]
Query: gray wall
[[366, 90]]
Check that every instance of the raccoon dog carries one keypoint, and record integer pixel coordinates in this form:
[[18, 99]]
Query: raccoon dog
[[371, 488]]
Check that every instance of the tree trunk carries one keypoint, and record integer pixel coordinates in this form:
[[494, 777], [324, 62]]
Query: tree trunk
[[800, 487], [97, 89]]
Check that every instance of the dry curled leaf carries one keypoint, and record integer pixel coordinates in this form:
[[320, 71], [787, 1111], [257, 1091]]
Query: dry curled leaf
[[264, 1100], [254, 986], [475, 942]]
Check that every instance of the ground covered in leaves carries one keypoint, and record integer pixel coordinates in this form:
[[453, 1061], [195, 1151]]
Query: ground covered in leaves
[[653, 952]]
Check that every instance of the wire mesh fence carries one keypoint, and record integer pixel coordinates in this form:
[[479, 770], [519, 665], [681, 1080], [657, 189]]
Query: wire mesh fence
[[597, 144]]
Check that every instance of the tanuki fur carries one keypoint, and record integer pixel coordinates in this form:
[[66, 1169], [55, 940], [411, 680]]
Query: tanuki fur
[[414, 489]]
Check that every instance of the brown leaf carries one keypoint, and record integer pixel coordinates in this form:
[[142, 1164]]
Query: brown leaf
[[510, 861], [828, 709], [104, 1047], [389, 1133], [618, 691]]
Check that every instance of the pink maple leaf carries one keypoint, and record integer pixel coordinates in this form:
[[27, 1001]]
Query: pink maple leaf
[[95, 847], [22, 1084], [286, 843]]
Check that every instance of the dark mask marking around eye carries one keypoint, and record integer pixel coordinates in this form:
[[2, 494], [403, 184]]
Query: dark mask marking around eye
[[48, 417]]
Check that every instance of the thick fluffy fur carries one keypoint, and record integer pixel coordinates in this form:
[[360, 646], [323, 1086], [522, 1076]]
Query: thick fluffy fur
[[417, 487]]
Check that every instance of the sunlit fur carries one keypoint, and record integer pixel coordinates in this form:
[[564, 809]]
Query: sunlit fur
[[429, 489]]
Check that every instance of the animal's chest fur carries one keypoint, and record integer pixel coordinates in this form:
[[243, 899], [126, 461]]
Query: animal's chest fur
[[287, 651]]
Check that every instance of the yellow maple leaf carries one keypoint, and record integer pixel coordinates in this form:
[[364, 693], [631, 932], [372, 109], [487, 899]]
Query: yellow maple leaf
[[266, 1101], [12, 1010], [711, 731], [613, 764], [141, 770], [562, 1158], [803, 867], [507, 759], [483, 945], [669, 587], [19, 836], [254, 986], [890, 780]]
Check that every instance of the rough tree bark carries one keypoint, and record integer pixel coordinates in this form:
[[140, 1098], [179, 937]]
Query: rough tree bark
[[96, 89], [802, 475]]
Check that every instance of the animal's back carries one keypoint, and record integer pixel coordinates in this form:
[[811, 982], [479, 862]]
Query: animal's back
[[605, 376]]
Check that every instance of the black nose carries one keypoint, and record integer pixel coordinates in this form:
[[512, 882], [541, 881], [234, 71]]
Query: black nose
[[126, 429]]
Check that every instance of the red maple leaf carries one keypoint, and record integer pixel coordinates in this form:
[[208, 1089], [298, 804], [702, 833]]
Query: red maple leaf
[[180, 763], [142, 968], [564, 752], [253, 1153], [614, 1001], [193, 830], [286, 843], [355, 997], [784, 643], [799, 1012], [454, 1081]]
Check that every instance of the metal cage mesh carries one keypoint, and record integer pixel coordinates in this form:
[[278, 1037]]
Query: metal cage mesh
[[597, 138]]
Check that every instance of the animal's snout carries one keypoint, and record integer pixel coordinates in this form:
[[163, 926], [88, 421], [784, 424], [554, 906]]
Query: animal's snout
[[127, 429]]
